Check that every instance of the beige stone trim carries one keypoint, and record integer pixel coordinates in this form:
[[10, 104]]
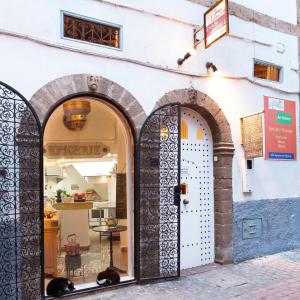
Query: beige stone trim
[[92, 85], [208, 108], [142, 11], [250, 15]]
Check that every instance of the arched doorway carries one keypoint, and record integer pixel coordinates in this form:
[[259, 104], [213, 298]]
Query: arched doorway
[[117, 98], [223, 151], [89, 186]]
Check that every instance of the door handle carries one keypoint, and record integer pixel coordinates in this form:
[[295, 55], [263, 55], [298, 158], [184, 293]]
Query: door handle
[[176, 195]]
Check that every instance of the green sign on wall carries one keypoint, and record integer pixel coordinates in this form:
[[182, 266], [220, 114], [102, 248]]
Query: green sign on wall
[[284, 118]]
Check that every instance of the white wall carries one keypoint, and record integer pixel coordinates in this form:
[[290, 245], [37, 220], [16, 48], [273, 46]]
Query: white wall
[[27, 65], [151, 39], [272, 179]]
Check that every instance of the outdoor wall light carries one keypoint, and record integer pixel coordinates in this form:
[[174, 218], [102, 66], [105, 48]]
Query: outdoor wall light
[[191, 52], [210, 65]]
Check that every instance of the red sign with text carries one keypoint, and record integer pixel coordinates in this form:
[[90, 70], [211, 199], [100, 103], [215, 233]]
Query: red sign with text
[[280, 129], [216, 22]]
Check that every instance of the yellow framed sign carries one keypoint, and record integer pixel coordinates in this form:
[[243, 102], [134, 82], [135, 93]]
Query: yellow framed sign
[[216, 22]]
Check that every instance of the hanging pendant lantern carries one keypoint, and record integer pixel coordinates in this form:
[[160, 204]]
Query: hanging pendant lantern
[[75, 114]]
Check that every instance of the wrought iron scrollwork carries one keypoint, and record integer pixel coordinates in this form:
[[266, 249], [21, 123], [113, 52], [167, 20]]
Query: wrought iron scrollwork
[[159, 153], [92, 32], [20, 213]]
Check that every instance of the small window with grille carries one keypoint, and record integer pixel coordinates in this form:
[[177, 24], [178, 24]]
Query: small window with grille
[[91, 31], [266, 71]]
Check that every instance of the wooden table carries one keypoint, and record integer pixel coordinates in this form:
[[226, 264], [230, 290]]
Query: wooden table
[[110, 230]]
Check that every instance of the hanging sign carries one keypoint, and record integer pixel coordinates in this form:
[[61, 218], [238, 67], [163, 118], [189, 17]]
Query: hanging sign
[[280, 129], [76, 150], [252, 135], [216, 22]]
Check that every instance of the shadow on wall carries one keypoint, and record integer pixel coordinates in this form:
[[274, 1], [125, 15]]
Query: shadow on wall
[[264, 227]]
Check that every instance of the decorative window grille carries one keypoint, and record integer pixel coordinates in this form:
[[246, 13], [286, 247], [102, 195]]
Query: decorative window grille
[[92, 32], [266, 71]]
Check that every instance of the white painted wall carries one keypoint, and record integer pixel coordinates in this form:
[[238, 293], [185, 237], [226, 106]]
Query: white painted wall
[[27, 65]]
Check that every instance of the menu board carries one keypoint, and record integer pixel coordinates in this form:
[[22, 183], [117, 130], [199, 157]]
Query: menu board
[[280, 129], [252, 135]]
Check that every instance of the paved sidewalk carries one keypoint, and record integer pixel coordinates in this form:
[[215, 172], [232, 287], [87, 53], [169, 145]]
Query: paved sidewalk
[[267, 278]]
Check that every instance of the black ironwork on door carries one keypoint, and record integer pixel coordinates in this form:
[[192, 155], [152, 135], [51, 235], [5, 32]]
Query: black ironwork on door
[[158, 199], [21, 219]]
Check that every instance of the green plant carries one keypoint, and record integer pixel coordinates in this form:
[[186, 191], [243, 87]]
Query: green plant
[[59, 192]]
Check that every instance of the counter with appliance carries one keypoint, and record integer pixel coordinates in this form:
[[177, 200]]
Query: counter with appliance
[[74, 219]]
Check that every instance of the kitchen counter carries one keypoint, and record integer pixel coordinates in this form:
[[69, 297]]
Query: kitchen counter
[[73, 205], [104, 204], [74, 219]]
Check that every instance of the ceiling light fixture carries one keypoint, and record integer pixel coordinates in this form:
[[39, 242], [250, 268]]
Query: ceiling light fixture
[[75, 114]]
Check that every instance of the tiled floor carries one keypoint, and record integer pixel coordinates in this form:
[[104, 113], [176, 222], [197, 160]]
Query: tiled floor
[[94, 260]]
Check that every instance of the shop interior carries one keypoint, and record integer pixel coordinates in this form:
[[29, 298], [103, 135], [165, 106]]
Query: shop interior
[[88, 217]]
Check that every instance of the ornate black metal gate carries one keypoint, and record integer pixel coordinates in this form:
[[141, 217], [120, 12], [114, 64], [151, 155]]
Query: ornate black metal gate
[[158, 205], [21, 220]]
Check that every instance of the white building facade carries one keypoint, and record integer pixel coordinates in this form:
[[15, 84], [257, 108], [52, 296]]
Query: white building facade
[[248, 212]]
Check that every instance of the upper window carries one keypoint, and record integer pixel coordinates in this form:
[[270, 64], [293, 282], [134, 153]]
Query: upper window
[[82, 29], [266, 71]]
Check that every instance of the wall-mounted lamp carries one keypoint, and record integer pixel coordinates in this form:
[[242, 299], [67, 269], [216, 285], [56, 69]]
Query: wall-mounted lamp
[[211, 66], [191, 52]]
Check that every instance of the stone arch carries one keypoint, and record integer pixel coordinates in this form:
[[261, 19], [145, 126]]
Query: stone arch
[[54, 91], [223, 154]]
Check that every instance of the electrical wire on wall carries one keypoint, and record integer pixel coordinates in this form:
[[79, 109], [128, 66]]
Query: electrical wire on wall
[[133, 61]]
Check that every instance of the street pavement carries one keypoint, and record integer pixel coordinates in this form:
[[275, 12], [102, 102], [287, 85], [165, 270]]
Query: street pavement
[[266, 278]]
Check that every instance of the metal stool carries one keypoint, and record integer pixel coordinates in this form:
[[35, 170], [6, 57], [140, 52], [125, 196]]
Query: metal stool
[[72, 262]]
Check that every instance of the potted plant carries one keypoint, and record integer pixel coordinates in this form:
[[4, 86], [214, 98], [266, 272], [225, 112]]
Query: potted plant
[[58, 195]]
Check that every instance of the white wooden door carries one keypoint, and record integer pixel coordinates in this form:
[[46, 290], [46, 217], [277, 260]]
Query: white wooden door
[[197, 204]]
